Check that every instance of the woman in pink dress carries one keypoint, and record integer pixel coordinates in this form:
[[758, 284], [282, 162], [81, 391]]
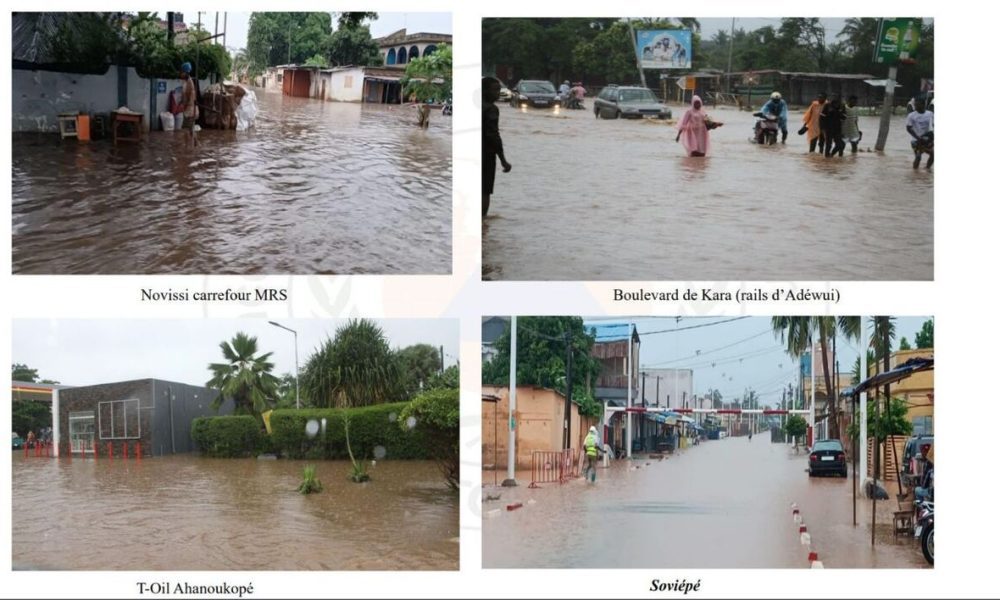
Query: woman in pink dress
[[693, 129]]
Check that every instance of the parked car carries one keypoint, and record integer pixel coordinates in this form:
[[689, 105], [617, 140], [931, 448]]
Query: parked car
[[532, 92], [18, 441], [630, 103], [827, 456]]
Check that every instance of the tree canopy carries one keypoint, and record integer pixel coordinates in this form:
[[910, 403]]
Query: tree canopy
[[278, 38], [541, 358], [354, 368], [925, 337], [245, 377]]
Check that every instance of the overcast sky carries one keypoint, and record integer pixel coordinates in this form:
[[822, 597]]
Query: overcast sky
[[238, 24], [745, 352], [86, 352]]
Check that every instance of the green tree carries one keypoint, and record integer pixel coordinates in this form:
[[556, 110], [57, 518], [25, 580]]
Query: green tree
[[925, 337], [418, 364], [30, 415], [317, 61], [354, 368], [894, 422], [436, 414], [795, 426], [277, 38], [541, 358], [429, 77], [904, 344], [353, 20], [19, 372], [245, 377], [352, 46], [448, 379]]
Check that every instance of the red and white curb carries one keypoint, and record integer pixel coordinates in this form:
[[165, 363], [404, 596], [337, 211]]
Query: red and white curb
[[496, 512], [805, 538]]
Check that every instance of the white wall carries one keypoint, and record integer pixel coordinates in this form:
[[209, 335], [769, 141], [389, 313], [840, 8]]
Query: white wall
[[338, 89], [39, 96]]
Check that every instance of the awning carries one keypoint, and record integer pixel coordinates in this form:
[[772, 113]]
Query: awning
[[880, 83], [907, 369]]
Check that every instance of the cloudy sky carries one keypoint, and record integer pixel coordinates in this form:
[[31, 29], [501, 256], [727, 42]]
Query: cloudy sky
[[745, 352], [85, 352], [238, 23]]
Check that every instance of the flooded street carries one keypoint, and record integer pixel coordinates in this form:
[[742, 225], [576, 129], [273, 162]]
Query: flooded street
[[191, 513], [316, 187], [594, 199], [721, 504]]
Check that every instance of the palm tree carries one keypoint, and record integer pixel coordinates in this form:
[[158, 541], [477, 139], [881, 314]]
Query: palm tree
[[355, 368], [245, 377], [797, 333]]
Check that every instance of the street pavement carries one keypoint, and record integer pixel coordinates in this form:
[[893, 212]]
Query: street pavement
[[720, 504]]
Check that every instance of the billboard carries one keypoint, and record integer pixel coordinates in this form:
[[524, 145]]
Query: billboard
[[898, 39], [664, 48]]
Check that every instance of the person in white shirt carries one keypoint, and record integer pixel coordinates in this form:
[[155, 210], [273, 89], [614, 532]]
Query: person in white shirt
[[920, 125]]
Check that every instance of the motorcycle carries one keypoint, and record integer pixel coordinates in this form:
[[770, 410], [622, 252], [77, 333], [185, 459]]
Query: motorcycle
[[569, 101], [765, 130], [925, 528]]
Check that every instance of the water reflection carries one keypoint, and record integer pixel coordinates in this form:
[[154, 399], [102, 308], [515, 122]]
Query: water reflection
[[192, 513], [318, 187]]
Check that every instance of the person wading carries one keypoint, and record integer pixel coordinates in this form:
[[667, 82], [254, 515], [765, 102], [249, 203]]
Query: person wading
[[920, 125], [189, 99], [811, 126], [492, 144], [591, 447], [694, 127]]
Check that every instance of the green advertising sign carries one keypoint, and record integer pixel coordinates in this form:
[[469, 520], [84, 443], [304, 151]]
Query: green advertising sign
[[898, 39]]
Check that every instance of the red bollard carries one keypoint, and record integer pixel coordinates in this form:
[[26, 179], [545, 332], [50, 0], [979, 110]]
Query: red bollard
[[69, 451], [38, 449], [111, 451], [124, 450], [138, 450], [26, 449]]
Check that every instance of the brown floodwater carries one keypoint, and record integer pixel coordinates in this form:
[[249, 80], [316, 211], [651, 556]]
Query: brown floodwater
[[720, 504], [592, 199], [316, 187], [191, 513]]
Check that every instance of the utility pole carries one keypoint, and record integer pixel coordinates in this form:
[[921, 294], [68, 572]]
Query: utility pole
[[569, 390], [642, 78], [657, 391], [887, 102], [628, 401], [729, 70], [863, 402], [442, 359], [512, 407]]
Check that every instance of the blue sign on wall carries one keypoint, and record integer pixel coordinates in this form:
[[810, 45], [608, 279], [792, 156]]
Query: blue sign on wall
[[161, 87]]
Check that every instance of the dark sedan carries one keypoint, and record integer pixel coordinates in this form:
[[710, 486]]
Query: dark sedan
[[540, 94], [828, 456]]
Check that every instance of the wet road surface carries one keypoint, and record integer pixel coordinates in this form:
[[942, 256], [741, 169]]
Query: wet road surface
[[593, 199], [317, 187], [192, 513], [720, 504]]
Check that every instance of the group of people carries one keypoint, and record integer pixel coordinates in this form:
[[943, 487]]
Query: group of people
[[827, 124], [573, 94]]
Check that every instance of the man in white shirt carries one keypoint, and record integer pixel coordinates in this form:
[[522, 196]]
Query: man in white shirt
[[920, 125]]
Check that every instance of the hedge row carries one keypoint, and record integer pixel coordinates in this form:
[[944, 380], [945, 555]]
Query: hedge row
[[370, 427], [228, 437]]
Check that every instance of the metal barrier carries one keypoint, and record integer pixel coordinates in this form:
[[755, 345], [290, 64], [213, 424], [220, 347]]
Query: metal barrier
[[552, 467]]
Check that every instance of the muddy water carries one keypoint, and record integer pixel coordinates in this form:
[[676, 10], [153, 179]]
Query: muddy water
[[721, 504], [318, 187], [192, 513], [614, 199]]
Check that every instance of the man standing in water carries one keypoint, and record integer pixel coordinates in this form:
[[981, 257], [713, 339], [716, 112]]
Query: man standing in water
[[920, 125], [189, 98], [851, 129], [811, 123], [590, 445], [492, 144]]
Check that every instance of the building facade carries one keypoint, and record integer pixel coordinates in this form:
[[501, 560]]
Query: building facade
[[398, 48], [150, 413]]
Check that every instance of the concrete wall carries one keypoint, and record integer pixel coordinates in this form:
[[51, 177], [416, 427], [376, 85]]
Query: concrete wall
[[39, 97], [539, 419], [346, 85]]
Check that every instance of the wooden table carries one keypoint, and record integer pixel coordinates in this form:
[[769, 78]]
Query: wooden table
[[135, 122]]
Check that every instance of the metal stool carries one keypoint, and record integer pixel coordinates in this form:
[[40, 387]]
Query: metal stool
[[902, 522], [67, 125]]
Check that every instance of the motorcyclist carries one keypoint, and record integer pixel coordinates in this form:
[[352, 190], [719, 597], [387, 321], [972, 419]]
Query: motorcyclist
[[777, 107], [577, 93], [564, 89]]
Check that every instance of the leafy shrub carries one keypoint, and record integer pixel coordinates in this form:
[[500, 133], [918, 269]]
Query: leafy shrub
[[227, 437], [371, 426], [435, 414], [310, 484]]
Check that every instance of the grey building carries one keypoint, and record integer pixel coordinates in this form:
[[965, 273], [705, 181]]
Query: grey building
[[150, 413]]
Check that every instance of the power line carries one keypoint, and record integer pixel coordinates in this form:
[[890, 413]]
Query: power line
[[699, 354]]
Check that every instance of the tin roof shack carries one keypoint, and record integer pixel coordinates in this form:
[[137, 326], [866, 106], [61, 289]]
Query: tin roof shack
[[154, 413], [297, 80], [800, 89]]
